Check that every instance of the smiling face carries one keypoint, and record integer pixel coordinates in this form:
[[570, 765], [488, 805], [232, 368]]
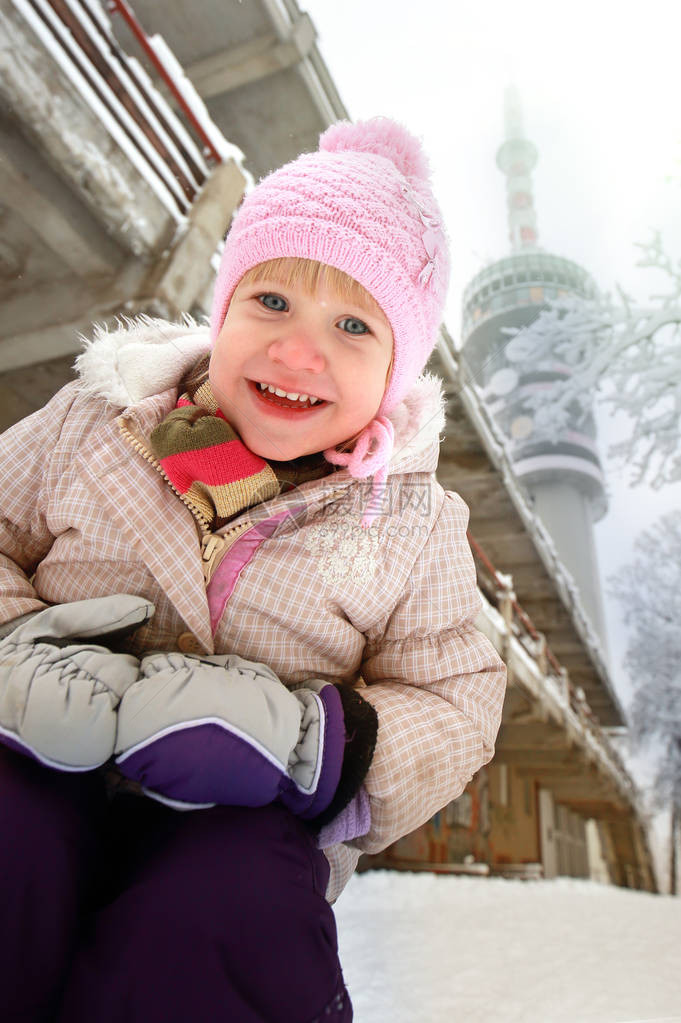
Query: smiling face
[[327, 355]]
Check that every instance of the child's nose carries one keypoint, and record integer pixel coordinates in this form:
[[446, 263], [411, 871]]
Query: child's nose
[[298, 351]]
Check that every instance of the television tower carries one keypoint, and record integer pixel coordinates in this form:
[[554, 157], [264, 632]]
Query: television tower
[[563, 477]]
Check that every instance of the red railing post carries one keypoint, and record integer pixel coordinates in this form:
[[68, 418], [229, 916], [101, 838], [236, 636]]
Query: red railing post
[[546, 653], [140, 35]]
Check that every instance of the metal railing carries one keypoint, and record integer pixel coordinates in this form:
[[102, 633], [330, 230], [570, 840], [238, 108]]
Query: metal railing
[[122, 95], [493, 584], [128, 15]]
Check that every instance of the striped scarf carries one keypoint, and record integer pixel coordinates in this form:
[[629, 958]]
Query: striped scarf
[[206, 462]]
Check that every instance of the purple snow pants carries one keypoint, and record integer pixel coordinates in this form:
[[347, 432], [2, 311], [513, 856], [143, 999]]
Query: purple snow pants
[[130, 912]]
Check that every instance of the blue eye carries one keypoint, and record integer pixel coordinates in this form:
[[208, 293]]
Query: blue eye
[[274, 302], [353, 326]]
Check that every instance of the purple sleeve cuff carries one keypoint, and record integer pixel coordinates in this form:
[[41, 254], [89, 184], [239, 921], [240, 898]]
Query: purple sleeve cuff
[[352, 822]]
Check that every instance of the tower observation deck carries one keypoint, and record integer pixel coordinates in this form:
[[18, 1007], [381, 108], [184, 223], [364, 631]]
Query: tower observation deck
[[563, 475]]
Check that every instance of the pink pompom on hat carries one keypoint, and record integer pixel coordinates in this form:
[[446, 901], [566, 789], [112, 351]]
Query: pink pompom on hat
[[363, 204]]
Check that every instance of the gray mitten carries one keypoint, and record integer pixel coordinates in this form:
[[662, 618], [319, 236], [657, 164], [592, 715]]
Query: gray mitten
[[195, 731], [59, 693]]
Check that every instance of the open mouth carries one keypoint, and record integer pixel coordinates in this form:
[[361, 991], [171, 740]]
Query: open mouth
[[284, 399]]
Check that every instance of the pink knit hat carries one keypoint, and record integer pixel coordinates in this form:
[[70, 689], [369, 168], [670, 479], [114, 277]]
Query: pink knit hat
[[364, 205]]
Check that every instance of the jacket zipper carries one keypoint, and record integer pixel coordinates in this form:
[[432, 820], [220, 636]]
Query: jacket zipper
[[142, 450], [213, 545]]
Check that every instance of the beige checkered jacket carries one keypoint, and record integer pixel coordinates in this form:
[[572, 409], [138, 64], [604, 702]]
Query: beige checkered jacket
[[391, 609]]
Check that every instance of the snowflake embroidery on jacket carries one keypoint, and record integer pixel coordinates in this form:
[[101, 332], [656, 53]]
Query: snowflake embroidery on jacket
[[343, 549]]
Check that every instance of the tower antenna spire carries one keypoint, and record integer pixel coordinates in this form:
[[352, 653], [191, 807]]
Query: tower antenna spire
[[517, 157]]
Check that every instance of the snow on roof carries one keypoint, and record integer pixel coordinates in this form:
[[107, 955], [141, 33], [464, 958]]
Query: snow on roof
[[61, 45], [226, 149]]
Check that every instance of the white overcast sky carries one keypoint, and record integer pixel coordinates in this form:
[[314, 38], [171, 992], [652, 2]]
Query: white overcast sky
[[600, 83]]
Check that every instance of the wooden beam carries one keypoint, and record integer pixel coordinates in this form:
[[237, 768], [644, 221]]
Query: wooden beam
[[470, 464], [607, 811], [568, 768], [530, 762], [265, 55], [518, 712], [178, 278], [576, 788], [483, 526], [531, 736]]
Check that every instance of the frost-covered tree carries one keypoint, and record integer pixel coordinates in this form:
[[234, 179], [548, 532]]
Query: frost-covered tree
[[649, 590], [628, 353]]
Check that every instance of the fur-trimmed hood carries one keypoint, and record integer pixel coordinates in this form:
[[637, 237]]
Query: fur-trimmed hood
[[145, 356]]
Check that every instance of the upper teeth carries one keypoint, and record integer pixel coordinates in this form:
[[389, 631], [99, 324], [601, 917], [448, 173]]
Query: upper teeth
[[288, 394]]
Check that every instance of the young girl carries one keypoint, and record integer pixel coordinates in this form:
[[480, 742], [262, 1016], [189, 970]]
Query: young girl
[[231, 570]]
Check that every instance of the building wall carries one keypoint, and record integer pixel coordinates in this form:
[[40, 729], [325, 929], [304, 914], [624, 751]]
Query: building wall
[[457, 834], [494, 821], [506, 819], [513, 834]]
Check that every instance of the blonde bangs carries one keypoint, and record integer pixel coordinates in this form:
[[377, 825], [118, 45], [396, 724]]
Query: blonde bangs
[[310, 275]]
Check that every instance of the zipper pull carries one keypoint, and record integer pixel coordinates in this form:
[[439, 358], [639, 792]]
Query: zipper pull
[[212, 546]]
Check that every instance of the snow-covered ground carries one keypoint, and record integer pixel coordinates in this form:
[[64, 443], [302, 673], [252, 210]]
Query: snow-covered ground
[[417, 948]]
